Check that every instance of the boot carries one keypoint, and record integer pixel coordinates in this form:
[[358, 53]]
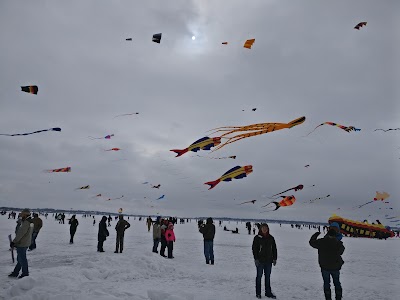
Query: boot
[[328, 295], [212, 262], [207, 261], [338, 294]]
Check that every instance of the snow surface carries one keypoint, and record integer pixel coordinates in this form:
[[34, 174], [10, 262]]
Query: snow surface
[[62, 271]]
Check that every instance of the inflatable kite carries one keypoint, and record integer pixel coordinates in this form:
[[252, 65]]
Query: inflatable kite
[[249, 43], [107, 137], [361, 229], [62, 170], [204, 143], [286, 201], [237, 172], [157, 38], [29, 133], [296, 188], [348, 129], [379, 197], [256, 129], [31, 89], [359, 25]]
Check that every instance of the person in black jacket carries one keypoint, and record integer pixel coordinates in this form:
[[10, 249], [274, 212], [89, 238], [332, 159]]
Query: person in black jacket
[[265, 254], [330, 260], [208, 231], [73, 222], [103, 234]]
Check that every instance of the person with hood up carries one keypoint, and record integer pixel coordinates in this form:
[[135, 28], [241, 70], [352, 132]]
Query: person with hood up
[[265, 255], [330, 260], [103, 234], [170, 238], [121, 226], [208, 231], [73, 225], [22, 240], [156, 234]]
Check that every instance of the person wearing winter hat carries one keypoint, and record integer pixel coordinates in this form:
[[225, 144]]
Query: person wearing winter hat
[[336, 227], [265, 255], [208, 231], [330, 249], [21, 242], [156, 234], [170, 239], [102, 234]]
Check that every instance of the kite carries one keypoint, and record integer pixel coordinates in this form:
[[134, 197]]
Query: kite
[[249, 43], [296, 188], [157, 38], [253, 109], [256, 129], [18, 134], [237, 172], [31, 89], [107, 137], [251, 201], [379, 197], [112, 149], [120, 210], [145, 182], [128, 39], [62, 170], [98, 195], [286, 201], [385, 130], [115, 198], [224, 43], [83, 188], [161, 197], [313, 200], [156, 186], [348, 129], [204, 143], [226, 157], [359, 25], [306, 166], [130, 114]]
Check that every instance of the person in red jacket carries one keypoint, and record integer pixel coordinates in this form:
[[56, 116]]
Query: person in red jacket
[[170, 238], [265, 255]]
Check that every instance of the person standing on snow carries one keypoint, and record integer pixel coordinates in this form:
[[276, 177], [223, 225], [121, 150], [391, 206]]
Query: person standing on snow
[[208, 231], [37, 225], [330, 260], [156, 234], [149, 221], [265, 255], [121, 226], [170, 238], [102, 234], [164, 226], [21, 242], [73, 222]]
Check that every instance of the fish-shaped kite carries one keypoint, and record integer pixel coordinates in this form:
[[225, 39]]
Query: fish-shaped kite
[[107, 137], [204, 143], [359, 25], [29, 133], [237, 172], [249, 43], [345, 128], [286, 201], [62, 170], [256, 129], [31, 89]]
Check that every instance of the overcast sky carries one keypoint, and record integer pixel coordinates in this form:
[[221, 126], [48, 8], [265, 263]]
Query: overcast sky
[[307, 60]]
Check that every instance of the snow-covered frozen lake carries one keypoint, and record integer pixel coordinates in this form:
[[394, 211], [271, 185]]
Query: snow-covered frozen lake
[[62, 271]]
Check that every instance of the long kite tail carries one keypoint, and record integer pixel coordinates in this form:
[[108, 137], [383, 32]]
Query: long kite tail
[[365, 204], [315, 129], [385, 130], [28, 133]]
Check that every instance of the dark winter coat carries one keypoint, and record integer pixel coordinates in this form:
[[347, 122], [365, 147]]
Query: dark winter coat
[[73, 225], [121, 226], [208, 230], [329, 251], [264, 248], [103, 232]]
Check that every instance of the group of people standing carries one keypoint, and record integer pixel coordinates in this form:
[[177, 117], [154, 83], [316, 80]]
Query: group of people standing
[[163, 231]]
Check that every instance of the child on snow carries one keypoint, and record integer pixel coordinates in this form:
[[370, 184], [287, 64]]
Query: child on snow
[[170, 238]]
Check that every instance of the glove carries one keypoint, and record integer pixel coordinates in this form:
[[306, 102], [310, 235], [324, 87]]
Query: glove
[[274, 262], [256, 262], [12, 245]]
